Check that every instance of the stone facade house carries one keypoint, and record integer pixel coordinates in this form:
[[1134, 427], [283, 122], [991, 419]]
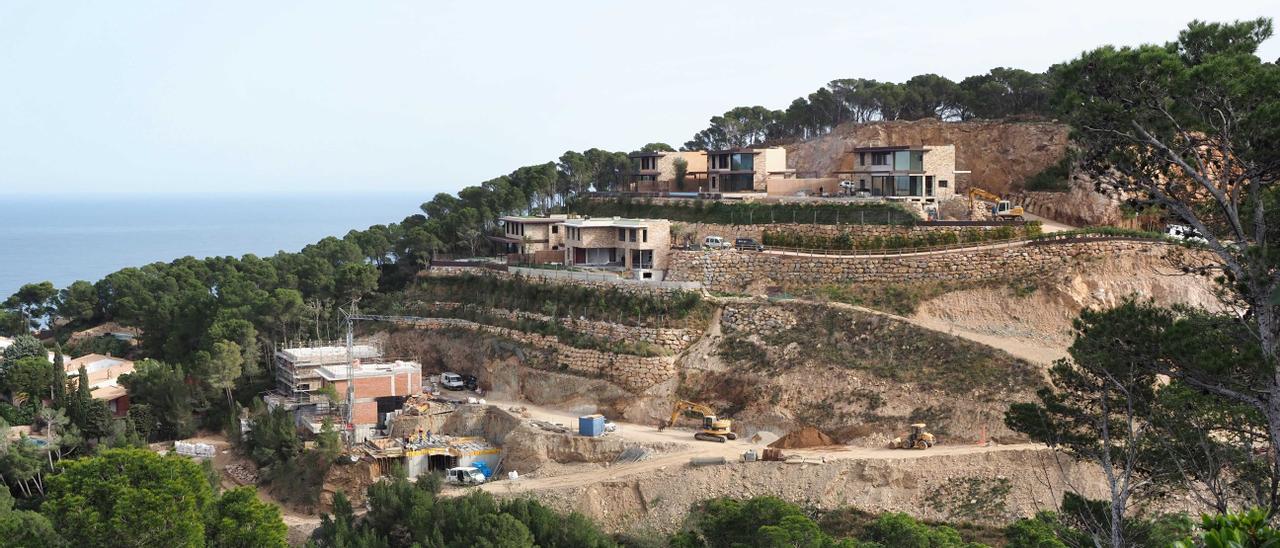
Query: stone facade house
[[917, 173], [745, 169], [656, 171], [527, 234], [639, 246]]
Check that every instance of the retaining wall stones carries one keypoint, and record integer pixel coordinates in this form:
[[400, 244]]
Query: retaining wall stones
[[731, 270], [633, 373], [756, 319], [691, 233], [674, 339], [531, 275]]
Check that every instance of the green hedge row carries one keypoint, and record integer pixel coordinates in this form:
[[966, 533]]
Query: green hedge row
[[747, 213], [849, 241]]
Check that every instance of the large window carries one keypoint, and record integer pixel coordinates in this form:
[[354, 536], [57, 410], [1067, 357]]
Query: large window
[[908, 160], [738, 182], [902, 185], [641, 258], [879, 158], [742, 162]]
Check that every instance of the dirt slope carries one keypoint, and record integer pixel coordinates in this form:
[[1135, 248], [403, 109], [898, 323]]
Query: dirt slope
[[1000, 154], [1037, 325]]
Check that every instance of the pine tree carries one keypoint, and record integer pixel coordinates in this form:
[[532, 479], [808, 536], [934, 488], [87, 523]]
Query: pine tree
[[58, 388]]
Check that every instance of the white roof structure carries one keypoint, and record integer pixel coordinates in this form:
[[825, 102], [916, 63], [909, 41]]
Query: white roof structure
[[324, 355], [612, 222], [340, 372]]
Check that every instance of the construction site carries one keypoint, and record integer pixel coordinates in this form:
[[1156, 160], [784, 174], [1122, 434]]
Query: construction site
[[828, 378]]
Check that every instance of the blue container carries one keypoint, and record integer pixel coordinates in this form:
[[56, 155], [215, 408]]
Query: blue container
[[591, 425]]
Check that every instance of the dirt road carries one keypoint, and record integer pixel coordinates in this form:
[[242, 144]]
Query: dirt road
[[689, 448]]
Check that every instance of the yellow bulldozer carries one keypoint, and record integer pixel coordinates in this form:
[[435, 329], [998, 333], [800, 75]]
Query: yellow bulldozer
[[1004, 210], [713, 428], [919, 438]]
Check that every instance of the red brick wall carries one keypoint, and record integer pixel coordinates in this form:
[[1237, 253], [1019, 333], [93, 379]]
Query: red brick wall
[[365, 413]]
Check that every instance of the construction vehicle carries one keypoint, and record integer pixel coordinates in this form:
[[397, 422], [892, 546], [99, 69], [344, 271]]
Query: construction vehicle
[[1004, 209], [713, 428], [917, 439]]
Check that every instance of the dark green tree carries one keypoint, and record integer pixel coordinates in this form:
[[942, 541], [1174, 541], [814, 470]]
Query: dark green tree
[[129, 497], [1097, 406], [23, 528], [24, 346], [34, 302], [240, 520], [1192, 127]]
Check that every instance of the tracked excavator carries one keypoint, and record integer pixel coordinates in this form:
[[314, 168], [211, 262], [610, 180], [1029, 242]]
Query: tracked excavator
[[1004, 210], [713, 428]]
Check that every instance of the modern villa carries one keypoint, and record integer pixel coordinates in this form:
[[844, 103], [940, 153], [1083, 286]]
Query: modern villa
[[656, 171], [529, 234], [918, 173], [745, 169], [636, 245]]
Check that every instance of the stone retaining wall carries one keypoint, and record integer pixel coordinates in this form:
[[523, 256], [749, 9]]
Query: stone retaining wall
[[633, 373], [693, 233], [629, 286], [674, 339], [756, 319], [735, 271]]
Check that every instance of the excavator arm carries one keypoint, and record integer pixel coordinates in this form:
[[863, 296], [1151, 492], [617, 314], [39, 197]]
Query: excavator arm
[[682, 406], [982, 194]]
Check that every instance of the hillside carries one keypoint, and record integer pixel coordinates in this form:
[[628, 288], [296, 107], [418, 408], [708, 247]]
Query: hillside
[[1001, 154]]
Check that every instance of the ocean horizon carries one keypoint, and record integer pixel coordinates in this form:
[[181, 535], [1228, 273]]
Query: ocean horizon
[[65, 238]]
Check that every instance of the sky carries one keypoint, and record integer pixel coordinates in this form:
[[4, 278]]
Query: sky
[[424, 96]]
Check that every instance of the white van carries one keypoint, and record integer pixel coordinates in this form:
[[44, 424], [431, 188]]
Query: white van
[[466, 475], [452, 381], [714, 242]]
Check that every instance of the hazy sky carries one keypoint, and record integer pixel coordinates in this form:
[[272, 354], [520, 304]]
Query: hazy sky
[[173, 96]]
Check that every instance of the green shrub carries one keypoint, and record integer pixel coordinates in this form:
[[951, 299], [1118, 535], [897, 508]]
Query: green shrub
[[747, 213], [1051, 179]]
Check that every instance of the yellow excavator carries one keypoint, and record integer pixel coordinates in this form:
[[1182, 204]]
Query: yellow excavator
[[1004, 210], [713, 428], [919, 438]]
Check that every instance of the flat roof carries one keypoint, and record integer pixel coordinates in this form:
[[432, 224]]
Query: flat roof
[[646, 154], [94, 363], [530, 219], [889, 148], [329, 354], [611, 222], [365, 370], [734, 151]]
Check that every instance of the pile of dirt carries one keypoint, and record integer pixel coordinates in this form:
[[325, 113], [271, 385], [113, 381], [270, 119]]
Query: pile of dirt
[[803, 438]]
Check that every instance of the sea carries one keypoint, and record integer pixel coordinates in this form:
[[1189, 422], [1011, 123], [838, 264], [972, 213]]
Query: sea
[[67, 238]]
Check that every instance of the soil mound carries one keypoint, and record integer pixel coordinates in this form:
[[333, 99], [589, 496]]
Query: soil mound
[[802, 438]]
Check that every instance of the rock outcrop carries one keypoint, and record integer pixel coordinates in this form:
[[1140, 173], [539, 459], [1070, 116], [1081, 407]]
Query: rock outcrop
[[1000, 154]]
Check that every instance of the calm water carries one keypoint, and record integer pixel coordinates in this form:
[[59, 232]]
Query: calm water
[[65, 239]]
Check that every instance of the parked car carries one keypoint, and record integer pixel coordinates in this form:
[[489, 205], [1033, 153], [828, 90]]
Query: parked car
[[464, 475], [1184, 233], [452, 381], [470, 382], [714, 242], [747, 244]]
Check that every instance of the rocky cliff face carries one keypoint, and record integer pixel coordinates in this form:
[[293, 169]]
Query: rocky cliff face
[[1000, 154]]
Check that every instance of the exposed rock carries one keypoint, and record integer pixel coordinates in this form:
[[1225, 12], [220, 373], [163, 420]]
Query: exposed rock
[[1001, 154]]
